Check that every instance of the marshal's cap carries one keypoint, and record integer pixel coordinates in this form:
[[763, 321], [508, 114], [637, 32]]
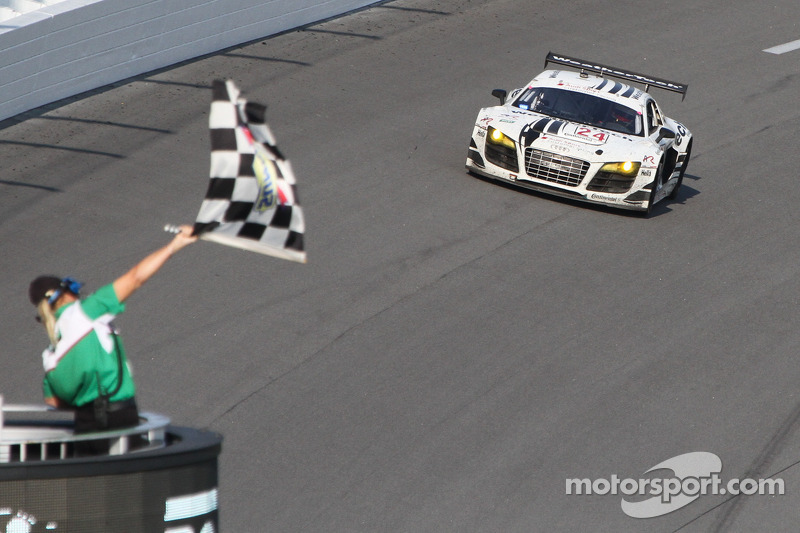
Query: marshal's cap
[[41, 286]]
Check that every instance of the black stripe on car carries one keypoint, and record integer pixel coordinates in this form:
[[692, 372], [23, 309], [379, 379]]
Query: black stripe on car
[[540, 124], [528, 135], [554, 127], [617, 88]]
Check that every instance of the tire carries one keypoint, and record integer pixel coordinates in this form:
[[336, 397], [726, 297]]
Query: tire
[[674, 193], [656, 182]]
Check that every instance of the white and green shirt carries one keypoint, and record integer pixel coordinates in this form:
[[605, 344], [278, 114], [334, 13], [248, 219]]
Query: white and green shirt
[[87, 351]]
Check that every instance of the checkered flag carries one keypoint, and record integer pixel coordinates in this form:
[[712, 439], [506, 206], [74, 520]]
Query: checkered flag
[[251, 201]]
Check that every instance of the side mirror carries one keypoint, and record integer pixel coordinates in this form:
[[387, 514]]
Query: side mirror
[[500, 94], [665, 133]]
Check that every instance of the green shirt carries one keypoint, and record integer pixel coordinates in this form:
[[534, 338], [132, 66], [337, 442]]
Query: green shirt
[[87, 351]]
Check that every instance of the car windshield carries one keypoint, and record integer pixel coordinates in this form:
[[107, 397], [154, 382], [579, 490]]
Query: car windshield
[[583, 108]]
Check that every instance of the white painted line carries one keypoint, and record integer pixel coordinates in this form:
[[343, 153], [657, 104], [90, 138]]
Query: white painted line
[[783, 48]]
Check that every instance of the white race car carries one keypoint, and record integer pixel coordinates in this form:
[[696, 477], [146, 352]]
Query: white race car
[[579, 134]]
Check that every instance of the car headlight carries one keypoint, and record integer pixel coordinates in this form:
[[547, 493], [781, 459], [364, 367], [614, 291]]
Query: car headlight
[[496, 136], [626, 168]]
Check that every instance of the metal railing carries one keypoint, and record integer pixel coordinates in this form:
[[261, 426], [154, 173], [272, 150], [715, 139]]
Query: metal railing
[[42, 433]]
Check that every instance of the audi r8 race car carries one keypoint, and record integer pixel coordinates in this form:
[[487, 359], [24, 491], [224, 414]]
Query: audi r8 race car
[[580, 134]]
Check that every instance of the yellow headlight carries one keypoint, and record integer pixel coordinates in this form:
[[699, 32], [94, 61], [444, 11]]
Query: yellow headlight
[[498, 137], [627, 168]]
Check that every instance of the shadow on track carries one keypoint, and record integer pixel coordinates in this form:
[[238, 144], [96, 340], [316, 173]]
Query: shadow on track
[[685, 193]]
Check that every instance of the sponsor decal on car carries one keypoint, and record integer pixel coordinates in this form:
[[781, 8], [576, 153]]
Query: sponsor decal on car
[[606, 198], [585, 134]]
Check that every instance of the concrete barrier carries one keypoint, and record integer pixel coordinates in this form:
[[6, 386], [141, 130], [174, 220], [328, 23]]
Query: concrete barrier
[[73, 46]]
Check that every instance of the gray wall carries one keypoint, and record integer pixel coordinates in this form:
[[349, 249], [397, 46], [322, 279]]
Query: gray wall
[[77, 45]]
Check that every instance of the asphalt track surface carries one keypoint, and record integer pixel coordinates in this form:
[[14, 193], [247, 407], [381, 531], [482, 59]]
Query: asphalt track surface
[[454, 349]]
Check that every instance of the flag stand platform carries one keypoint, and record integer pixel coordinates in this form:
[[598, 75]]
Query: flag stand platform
[[155, 476]]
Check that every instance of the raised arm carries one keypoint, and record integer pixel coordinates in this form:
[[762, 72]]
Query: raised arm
[[127, 284]]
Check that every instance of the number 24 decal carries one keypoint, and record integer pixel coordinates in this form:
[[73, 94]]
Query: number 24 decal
[[588, 132]]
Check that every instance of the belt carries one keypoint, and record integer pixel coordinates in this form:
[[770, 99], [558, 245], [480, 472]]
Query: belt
[[121, 405]]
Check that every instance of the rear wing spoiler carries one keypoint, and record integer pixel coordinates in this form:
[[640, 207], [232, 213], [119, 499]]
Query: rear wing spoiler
[[605, 70]]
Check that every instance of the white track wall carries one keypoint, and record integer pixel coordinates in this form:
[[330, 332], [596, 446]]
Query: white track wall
[[74, 46]]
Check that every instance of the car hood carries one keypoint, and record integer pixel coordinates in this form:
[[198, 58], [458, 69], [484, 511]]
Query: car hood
[[544, 132]]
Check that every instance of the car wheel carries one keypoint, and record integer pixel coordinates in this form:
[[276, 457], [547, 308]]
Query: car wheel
[[674, 193], [656, 185]]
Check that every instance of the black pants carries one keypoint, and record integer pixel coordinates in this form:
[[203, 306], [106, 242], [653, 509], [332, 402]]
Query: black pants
[[122, 414]]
